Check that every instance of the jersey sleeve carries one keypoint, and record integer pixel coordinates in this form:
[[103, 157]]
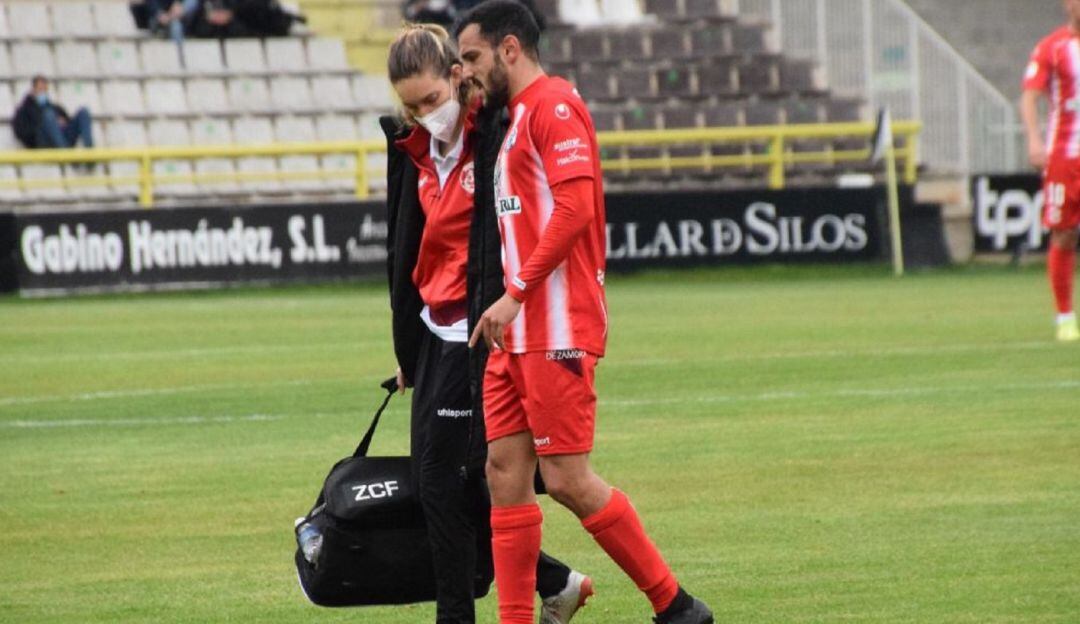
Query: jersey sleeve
[[1037, 74], [563, 139]]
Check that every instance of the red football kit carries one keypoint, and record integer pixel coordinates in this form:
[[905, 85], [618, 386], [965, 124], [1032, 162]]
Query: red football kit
[[1054, 69], [447, 203], [550, 205]]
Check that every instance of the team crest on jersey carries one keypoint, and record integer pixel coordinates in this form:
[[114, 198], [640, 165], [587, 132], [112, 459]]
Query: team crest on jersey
[[562, 111], [468, 178], [508, 206]]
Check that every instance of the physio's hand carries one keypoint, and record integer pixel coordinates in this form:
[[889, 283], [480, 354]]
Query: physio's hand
[[400, 381], [492, 325], [1037, 153]]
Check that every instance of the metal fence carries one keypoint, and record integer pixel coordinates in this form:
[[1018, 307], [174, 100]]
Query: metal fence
[[884, 53]]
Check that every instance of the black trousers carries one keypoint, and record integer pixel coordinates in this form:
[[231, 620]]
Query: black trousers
[[448, 451]]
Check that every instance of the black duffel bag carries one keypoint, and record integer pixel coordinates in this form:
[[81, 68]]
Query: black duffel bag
[[374, 547]]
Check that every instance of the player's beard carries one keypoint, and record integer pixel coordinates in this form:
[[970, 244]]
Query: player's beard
[[498, 91]]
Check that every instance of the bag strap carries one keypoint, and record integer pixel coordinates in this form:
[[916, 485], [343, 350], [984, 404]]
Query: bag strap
[[390, 385]]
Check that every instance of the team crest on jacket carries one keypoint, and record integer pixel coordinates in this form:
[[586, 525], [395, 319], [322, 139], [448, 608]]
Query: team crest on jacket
[[468, 178], [562, 111]]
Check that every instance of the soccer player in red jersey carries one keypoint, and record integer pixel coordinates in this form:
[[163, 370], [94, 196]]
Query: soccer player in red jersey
[[550, 327], [1054, 72]]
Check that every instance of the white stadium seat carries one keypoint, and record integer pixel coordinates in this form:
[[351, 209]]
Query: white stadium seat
[[171, 133], [118, 58], [29, 19], [326, 54], [76, 19], [76, 59], [165, 97], [373, 92], [332, 92], [125, 134], [207, 95], [7, 102], [43, 172], [285, 55], [160, 58], [5, 32], [291, 94], [256, 131], [5, 62], [213, 132], [28, 59], [74, 94], [298, 130], [249, 95], [338, 128], [114, 18], [245, 55], [203, 57], [122, 97], [367, 125]]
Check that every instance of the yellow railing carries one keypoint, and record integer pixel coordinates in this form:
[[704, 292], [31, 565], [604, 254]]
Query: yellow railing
[[776, 156]]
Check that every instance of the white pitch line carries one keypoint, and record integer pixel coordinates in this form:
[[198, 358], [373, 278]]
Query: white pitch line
[[837, 353], [128, 422], [143, 392], [179, 353], [842, 393]]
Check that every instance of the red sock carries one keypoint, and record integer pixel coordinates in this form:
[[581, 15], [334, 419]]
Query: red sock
[[618, 530], [515, 547], [1061, 266]]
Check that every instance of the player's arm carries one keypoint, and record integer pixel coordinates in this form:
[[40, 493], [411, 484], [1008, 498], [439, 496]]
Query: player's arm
[[1029, 112], [574, 210]]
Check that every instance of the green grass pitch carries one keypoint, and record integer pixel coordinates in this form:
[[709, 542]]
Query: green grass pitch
[[806, 445]]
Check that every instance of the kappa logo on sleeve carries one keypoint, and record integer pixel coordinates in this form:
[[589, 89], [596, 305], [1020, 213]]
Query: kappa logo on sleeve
[[508, 206], [562, 111]]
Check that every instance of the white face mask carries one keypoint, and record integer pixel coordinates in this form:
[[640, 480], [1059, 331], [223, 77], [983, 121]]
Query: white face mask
[[442, 121]]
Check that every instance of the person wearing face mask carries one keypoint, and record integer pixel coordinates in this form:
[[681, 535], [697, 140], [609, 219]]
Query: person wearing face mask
[[40, 122], [443, 263]]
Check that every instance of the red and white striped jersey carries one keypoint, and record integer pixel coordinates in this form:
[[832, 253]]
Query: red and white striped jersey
[[551, 140], [1055, 69]]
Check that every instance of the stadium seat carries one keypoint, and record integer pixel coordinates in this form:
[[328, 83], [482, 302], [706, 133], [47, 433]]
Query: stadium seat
[[668, 10], [211, 131], [5, 62], [123, 174], [245, 56], [171, 133], [113, 19], [338, 128], [676, 81], [802, 111], [256, 131], [605, 119], [588, 45], [76, 59], [667, 43], [717, 78], [579, 12], [291, 94], [249, 95], [727, 114], [710, 40], [8, 173], [298, 130], [594, 83], [680, 116], [332, 93], [800, 76], [751, 39], [203, 57], [758, 76], [555, 46], [373, 92], [5, 33], [325, 54], [73, 94], [368, 128], [635, 82], [38, 171], [30, 20], [166, 98], [123, 98], [844, 110], [641, 117], [7, 102], [160, 58], [706, 9], [207, 96], [118, 58], [76, 20], [32, 58], [626, 45], [285, 55], [764, 113]]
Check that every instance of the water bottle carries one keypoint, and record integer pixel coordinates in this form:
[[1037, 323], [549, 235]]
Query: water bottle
[[310, 540]]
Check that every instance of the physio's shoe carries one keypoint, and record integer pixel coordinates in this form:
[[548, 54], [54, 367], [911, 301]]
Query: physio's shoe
[[1067, 331], [685, 609], [561, 607]]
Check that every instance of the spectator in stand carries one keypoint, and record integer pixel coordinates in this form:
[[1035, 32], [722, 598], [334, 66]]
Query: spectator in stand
[[41, 123], [170, 17], [444, 12], [221, 19]]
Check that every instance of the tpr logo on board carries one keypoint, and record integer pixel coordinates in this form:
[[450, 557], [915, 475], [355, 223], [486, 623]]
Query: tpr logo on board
[[1008, 210]]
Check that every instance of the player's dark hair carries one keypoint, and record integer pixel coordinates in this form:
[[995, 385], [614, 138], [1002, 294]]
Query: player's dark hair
[[498, 19]]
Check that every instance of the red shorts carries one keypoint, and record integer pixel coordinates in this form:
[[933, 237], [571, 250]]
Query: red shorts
[[1061, 194], [548, 393]]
